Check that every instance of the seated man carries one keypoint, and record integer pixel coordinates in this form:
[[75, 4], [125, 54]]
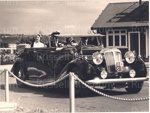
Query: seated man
[[56, 43]]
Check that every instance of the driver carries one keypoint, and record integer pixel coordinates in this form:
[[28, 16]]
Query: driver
[[56, 43]]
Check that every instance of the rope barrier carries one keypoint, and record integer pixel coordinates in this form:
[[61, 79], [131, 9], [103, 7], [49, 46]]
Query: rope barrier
[[42, 85], [86, 85], [71, 77], [106, 95]]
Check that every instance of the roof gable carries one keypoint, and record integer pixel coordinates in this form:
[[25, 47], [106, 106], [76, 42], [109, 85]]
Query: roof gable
[[123, 14]]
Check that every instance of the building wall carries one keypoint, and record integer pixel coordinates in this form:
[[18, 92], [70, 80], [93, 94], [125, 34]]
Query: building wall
[[128, 39]]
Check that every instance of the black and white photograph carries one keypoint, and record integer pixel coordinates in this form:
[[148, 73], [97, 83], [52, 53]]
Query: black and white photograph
[[74, 56]]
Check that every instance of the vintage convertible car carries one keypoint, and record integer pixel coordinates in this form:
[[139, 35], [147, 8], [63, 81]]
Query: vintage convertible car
[[89, 60]]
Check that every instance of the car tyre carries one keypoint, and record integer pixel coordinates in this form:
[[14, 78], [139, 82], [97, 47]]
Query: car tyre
[[80, 89], [134, 87], [20, 74]]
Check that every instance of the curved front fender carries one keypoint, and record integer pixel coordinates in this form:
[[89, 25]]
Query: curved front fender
[[81, 64], [140, 67], [18, 64]]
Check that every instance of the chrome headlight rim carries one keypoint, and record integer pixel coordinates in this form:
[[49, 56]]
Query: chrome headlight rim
[[97, 58], [103, 74], [76, 54], [129, 57]]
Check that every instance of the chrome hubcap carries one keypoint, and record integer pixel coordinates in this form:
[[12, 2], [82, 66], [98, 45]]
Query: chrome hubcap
[[19, 74]]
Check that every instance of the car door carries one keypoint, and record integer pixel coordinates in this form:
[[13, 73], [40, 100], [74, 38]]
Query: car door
[[40, 62]]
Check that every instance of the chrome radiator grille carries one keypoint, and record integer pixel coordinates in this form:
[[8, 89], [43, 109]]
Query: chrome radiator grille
[[111, 59]]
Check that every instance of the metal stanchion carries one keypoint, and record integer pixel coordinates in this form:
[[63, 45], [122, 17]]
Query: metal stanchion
[[72, 92], [7, 106], [6, 86]]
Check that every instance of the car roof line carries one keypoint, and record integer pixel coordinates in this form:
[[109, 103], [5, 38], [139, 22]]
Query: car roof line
[[80, 35]]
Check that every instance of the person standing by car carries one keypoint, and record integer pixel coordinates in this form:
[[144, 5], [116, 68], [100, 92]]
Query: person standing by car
[[37, 42]]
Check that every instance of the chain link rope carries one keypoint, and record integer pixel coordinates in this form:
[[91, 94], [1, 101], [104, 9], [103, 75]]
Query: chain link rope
[[109, 96], [86, 85], [36, 85]]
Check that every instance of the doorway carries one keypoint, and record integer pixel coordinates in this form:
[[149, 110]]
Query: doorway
[[134, 42]]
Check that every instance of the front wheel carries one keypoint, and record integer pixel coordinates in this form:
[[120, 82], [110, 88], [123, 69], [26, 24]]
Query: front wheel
[[80, 90], [134, 87]]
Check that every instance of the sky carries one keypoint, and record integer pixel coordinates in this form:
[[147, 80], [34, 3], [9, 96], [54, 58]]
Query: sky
[[66, 16]]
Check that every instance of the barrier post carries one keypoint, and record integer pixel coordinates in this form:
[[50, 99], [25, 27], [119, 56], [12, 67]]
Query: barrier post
[[7, 106], [72, 92], [6, 86]]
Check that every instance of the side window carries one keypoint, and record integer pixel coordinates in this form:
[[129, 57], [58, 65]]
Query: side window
[[92, 41]]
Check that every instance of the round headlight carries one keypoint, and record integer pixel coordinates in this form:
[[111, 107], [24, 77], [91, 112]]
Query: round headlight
[[130, 57], [132, 73], [104, 74], [97, 58]]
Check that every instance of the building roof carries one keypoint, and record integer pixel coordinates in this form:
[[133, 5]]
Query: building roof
[[125, 14]]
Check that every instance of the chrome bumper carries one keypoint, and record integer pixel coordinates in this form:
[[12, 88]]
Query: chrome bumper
[[118, 80]]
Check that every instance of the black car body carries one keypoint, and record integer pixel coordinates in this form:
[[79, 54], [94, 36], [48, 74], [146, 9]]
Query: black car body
[[91, 62]]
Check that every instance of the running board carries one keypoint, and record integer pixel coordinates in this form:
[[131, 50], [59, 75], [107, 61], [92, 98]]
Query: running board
[[40, 81], [119, 80]]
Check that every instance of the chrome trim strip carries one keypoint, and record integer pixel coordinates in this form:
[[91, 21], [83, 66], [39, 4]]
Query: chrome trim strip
[[118, 80]]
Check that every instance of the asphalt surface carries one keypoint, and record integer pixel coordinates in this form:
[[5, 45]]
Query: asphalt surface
[[46, 100]]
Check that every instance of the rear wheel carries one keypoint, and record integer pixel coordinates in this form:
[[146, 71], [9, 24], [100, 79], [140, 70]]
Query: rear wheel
[[20, 74], [134, 87]]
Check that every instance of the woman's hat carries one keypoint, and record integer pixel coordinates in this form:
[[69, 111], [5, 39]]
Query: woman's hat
[[39, 35]]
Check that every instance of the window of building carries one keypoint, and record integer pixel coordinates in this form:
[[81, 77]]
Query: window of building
[[123, 31], [117, 38], [123, 40], [110, 38], [116, 31]]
